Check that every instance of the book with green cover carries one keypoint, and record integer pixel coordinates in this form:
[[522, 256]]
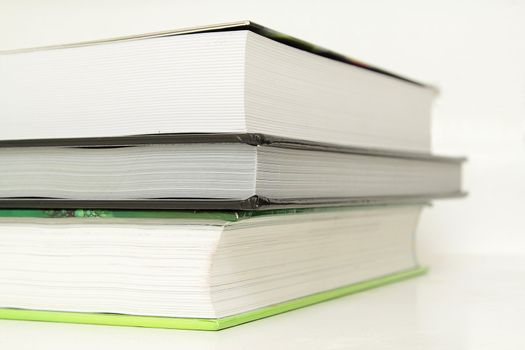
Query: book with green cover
[[206, 324], [196, 270]]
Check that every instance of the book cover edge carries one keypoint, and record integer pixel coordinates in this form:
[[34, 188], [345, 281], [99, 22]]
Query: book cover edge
[[252, 139], [250, 204]]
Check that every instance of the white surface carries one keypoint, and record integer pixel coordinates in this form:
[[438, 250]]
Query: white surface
[[473, 50], [463, 303]]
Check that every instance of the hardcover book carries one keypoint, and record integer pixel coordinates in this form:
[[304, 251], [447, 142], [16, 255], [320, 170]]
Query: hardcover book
[[241, 171], [230, 78], [195, 270]]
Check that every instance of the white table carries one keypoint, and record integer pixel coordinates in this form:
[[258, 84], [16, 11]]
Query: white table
[[463, 303]]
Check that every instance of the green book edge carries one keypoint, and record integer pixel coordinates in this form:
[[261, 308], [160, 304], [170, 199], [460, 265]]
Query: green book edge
[[223, 215], [203, 323]]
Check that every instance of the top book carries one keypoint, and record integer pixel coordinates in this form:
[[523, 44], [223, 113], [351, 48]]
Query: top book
[[230, 78]]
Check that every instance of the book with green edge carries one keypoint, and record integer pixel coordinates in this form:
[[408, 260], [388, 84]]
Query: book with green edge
[[204, 324], [201, 270]]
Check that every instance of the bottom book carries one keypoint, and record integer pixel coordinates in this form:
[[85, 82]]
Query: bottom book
[[204, 324], [196, 270]]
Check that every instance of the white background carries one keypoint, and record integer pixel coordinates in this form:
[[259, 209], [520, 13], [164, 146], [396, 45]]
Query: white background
[[473, 50]]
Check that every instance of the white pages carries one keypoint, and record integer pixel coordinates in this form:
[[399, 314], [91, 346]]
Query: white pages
[[203, 268], [221, 82]]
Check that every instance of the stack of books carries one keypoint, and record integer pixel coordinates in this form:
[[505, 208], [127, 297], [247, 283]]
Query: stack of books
[[206, 177]]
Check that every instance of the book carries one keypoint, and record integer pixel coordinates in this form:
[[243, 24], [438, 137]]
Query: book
[[230, 78], [196, 270], [215, 172], [206, 177]]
